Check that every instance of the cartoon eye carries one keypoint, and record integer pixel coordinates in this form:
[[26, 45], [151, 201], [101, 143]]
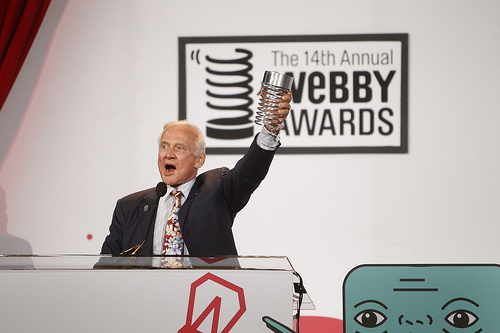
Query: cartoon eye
[[370, 318], [461, 318]]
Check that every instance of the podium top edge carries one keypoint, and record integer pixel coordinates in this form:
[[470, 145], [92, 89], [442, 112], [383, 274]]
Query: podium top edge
[[92, 262]]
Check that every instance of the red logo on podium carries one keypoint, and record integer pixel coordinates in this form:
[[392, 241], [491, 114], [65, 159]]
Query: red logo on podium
[[210, 301]]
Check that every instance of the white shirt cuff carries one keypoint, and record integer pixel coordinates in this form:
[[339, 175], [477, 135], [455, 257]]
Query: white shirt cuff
[[267, 140]]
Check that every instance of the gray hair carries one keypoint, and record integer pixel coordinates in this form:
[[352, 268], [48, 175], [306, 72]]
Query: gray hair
[[200, 140]]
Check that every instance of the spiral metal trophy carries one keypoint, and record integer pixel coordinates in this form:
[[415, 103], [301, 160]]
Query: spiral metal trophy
[[274, 86]]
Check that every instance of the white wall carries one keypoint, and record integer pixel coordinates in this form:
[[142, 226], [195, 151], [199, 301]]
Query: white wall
[[107, 82]]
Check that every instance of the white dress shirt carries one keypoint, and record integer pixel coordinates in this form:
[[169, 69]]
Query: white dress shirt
[[165, 206]]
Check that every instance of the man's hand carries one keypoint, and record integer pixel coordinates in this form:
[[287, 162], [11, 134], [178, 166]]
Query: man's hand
[[283, 111]]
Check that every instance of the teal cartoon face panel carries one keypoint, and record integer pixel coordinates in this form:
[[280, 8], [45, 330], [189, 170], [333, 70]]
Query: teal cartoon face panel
[[422, 298]]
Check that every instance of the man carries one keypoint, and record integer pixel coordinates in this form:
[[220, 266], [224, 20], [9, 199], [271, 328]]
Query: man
[[209, 202]]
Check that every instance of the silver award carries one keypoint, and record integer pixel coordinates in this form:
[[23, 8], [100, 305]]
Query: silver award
[[274, 86]]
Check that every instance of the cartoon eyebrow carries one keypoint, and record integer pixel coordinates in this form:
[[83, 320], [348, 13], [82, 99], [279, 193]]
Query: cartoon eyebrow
[[413, 289], [371, 301], [460, 299]]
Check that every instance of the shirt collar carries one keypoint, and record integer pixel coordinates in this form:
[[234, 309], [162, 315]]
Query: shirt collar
[[184, 188]]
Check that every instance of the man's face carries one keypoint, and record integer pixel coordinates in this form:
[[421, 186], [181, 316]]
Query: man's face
[[177, 160]]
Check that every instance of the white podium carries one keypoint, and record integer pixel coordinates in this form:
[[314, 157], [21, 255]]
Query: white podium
[[134, 294]]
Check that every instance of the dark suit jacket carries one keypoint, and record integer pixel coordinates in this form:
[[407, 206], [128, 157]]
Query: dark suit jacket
[[205, 218]]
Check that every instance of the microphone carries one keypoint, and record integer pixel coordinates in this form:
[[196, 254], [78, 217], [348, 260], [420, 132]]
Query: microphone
[[161, 189]]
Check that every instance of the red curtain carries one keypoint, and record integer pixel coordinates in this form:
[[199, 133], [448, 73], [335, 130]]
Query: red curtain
[[19, 23]]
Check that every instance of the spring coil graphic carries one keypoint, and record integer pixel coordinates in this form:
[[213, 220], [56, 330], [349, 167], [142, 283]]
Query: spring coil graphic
[[274, 86], [234, 125]]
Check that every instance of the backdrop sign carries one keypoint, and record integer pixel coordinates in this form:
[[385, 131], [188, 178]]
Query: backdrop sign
[[349, 91]]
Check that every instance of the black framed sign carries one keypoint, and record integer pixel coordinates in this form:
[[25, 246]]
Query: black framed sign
[[350, 92]]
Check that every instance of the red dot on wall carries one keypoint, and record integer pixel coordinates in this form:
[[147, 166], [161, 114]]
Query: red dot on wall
[[89, 236]]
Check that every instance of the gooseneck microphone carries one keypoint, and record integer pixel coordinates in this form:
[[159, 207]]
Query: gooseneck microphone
[[161, 189]]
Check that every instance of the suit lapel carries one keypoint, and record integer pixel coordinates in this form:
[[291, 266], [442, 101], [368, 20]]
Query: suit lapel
[[185, 207], [147, 206]]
